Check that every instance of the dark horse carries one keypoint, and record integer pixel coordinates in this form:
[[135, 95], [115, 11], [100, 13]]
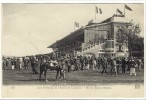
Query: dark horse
[[45, 65]]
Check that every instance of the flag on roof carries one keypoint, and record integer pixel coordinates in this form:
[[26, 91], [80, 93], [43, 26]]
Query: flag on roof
[[98, 10], [76, 24], [128, 8], [119, 11]]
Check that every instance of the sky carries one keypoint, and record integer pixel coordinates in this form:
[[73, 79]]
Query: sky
[[28, 29]]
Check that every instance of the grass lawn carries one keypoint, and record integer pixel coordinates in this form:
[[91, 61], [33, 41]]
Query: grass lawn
[[25, 77]]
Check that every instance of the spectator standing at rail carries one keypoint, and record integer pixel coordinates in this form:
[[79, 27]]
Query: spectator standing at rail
[[126, 68], [88, 63], [114, 66], [128, 63], [118, 62], [108, 60], [142, 62], [21, 63], [29, 63], [72, 64], [18, 64], [82, 62], [61, 69], [13, 63], [73, 61], [33, 65], [9, 63], [67, 62], [77, 64], [58, 68], [93, 63], [104, 66], [97, 63], [100, 62], [123, 65], [25, 63], [4, 64], [132, 67], [139, 62], [39, 62]]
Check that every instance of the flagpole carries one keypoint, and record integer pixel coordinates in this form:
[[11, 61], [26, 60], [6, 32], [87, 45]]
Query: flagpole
[[95, 12], [74, 26], [124, 11]]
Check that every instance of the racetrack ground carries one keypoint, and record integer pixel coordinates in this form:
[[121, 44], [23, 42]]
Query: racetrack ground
[[25, 77]]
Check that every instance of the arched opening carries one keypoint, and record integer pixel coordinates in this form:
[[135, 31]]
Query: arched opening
[[120, 40]]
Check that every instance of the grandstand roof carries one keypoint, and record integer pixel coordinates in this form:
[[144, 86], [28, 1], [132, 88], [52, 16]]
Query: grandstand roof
[[79, 33]]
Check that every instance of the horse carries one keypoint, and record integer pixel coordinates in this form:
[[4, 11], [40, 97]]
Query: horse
[[45, 65]]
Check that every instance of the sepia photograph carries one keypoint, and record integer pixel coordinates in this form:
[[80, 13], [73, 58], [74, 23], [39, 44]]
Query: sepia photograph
[[79, 50]]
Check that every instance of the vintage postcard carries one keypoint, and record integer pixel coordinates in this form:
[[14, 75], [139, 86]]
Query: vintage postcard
[[72, 50]]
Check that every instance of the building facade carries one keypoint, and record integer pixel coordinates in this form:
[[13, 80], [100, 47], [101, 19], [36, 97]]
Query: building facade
[[96, 38]]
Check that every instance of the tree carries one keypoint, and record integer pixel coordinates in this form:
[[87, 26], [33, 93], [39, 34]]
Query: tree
[[137, 43], [127, 36], [137, 46]]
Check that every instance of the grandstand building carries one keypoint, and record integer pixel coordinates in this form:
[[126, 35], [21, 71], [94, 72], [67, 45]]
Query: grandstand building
[[96, 38]]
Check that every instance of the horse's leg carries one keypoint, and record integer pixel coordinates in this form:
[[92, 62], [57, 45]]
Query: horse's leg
[[40, 75], [45, 72], [57, 74], [41, 71], [60, 74], [63, 75]]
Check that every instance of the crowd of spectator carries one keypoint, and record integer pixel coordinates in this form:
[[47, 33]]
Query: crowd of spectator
[[78, 63]]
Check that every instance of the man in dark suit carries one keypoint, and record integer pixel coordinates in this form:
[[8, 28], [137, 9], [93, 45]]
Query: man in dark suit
[[104, 66], [123, 65], [33, 65]]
